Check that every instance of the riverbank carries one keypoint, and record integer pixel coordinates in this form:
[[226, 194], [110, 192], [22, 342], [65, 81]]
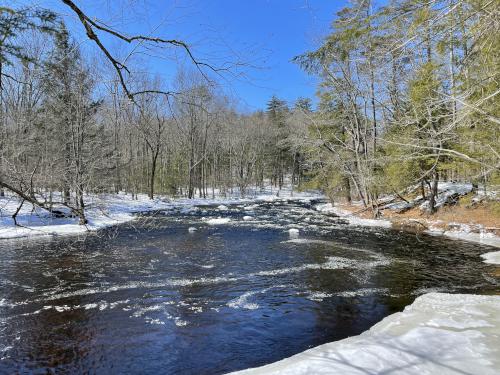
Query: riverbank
[[106, 210], [461, 214], [438, 334]]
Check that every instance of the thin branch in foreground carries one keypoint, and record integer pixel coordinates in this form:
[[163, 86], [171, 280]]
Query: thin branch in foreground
[[90, 26]]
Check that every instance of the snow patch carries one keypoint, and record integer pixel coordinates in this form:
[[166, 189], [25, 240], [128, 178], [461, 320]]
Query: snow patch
[[491, 258], [251, 207], [328, 208]]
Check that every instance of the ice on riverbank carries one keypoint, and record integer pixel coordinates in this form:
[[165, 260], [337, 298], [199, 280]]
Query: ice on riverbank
[[328, 208], [465, 235], [491, 258], [438, 334]]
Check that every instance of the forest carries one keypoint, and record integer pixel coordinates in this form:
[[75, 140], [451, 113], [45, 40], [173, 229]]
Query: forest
[[407, 96]]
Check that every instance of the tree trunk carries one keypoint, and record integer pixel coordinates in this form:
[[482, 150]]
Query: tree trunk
[[434, 193]]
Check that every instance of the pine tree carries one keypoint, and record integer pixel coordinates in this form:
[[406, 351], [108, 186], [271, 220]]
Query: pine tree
[[68, 109]]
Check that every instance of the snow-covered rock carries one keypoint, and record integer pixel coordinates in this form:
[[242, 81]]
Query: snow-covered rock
[[438, 334], [293, 232], [222, 207], [448, 192], [247, 218], [219, 220]]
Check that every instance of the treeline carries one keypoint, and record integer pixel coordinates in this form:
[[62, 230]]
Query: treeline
[[69, 128], [409, 95]]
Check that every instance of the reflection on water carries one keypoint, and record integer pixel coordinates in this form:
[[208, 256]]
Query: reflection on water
[[154, 298]]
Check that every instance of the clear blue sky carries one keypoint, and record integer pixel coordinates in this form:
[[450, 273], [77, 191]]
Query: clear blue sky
[[265, 34]]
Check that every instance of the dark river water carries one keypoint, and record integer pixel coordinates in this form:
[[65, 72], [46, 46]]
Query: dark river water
[[154, 298]]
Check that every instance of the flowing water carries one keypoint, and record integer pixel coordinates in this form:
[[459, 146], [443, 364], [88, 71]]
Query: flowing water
[[155, 297]]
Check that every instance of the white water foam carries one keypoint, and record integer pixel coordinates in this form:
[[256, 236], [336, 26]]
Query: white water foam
[[242, 301], [363, 292]]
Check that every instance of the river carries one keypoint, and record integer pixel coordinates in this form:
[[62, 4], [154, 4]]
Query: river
[[154, 296]]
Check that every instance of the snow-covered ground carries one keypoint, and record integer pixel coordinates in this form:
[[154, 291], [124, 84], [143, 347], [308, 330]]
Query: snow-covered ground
[[438, 334], [103, 211], [328, 208], [491, 258]]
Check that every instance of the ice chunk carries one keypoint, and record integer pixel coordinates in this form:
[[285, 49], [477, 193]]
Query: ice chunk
[[247, 218], [192, 229], [219, 220], [293, 232]]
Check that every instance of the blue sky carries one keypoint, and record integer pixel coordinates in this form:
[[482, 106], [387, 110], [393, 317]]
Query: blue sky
[[263, 34]]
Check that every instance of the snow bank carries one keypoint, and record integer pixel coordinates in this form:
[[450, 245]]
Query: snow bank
[[438, 334], [328, 208], [491, 258], [464, 233], [102, 211]]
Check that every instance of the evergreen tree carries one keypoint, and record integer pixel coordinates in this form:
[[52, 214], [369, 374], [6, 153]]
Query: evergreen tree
[[68, 110]]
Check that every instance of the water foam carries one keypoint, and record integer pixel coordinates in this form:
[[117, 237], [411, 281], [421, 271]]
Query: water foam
[[242, 301]]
